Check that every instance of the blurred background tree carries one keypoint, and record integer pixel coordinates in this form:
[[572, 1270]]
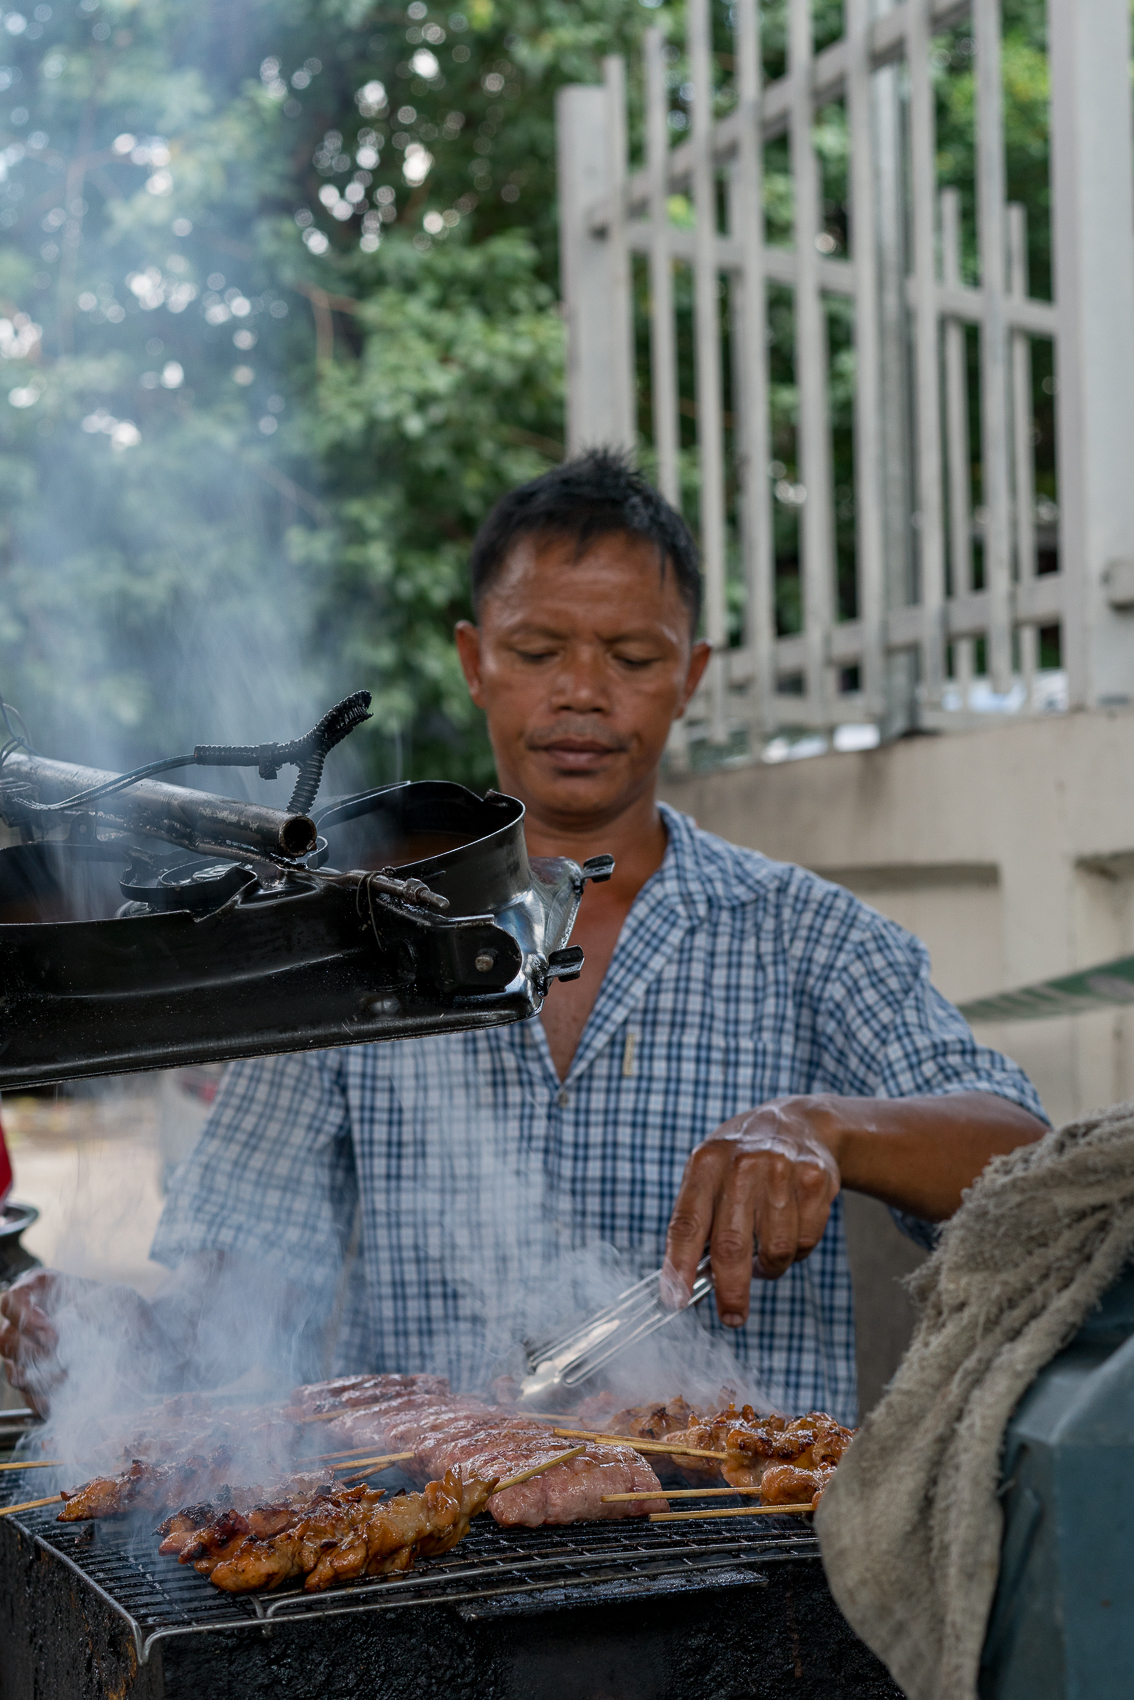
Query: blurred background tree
[[278, 324]]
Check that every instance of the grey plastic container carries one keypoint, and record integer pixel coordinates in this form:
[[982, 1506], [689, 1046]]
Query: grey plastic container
[[1062, 1623]]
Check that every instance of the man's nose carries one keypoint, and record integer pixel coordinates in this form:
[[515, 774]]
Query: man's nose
[[581, 682]]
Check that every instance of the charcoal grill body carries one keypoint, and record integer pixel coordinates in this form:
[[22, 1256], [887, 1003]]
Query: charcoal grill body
[[592, 1612], [209, 960]]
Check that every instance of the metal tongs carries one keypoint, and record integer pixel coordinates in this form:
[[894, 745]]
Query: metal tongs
[[564, 1363]]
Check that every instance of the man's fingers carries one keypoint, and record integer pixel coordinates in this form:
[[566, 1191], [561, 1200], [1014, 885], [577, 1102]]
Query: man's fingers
[[690, 1222], [27, 1337], [776, 1218], [815, 1189], [750, 1176]]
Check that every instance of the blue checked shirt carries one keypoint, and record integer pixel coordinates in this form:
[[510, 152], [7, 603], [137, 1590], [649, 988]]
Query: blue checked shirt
[[441, 1199]]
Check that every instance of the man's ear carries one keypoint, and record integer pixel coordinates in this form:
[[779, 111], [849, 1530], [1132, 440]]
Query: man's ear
[[468, 649], [698, 661]]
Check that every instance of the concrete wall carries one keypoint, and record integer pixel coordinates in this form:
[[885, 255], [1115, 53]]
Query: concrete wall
[[1010, 851]]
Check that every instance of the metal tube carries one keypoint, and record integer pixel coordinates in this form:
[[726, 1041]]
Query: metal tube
[[957, 438], [663, 355], [931, 550], [1023, 419], [620, 305], [193, 819], [993, 341], [816, 529], [870, 536], [746, 222], [707, 320], [1023, 447], [1093, 245]]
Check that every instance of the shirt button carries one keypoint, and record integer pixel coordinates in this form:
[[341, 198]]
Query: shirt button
[[563, 1098]]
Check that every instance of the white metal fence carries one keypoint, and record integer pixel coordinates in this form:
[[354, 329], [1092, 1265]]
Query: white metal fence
[[925, 620]]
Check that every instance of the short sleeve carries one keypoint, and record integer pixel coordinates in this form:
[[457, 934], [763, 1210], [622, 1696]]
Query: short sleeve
[[272, 1174], [887, 1032], [884, 1030]]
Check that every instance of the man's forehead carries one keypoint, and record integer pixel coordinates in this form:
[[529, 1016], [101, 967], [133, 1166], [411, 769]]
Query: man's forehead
[[543, 568]]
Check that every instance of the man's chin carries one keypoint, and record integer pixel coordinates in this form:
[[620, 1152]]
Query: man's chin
[[577, 791]]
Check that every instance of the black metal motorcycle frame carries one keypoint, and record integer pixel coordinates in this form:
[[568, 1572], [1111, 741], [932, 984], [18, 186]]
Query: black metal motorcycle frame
[[358, 940]]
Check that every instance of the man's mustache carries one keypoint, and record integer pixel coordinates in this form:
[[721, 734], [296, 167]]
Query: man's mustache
[[546, 738]]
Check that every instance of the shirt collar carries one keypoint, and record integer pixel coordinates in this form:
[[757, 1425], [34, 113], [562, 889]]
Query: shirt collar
[[701, 872], [646, 942]]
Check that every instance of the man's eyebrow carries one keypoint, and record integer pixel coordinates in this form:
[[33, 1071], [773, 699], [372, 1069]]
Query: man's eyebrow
[[532, 629]]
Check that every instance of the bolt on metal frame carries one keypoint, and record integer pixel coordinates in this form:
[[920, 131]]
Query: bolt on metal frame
[[915, 522]]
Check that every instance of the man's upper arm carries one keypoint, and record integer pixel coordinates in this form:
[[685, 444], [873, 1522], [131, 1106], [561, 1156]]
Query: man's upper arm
[[882, 1028], [885, 1031], [272, 1175]]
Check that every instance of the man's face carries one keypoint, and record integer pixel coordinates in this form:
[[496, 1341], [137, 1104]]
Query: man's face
[[581, 665]]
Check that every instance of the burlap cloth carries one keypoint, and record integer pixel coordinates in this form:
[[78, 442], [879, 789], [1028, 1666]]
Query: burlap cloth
[[910, 1527]]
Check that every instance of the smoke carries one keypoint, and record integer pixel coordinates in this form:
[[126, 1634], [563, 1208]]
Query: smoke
[[156, 396], [136, 1379], [504, 1263], [507, 1263]]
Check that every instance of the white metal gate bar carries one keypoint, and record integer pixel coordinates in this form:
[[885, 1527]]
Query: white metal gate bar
[[663, 353], [621, 304], [993, 342], [813, 450], [869, 529], [607, 215], [707, 339], [930, 529], [1023, 456], [957, 437], [749, 312]]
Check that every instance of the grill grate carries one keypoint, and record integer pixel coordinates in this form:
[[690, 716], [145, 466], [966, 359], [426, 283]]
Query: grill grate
[[493, 1571]]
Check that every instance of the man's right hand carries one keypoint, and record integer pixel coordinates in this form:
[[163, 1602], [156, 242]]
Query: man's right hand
[[28, 1339]]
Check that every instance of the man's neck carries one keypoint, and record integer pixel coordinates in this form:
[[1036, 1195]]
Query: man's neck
[[636, 838]]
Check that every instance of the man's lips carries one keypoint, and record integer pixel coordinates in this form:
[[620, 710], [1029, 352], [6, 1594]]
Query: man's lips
[[577, 754]]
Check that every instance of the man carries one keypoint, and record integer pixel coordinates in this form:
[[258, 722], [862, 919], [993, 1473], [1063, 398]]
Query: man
[[744, 1040]]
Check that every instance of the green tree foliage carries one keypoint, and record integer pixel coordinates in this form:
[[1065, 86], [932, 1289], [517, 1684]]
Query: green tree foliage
[[278, 324]]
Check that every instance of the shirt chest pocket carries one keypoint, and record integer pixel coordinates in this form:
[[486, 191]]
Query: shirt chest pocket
[[687, 1084]]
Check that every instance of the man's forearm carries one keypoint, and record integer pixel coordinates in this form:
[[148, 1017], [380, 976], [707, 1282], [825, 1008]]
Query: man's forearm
[[765, 1181], [919, 1154]]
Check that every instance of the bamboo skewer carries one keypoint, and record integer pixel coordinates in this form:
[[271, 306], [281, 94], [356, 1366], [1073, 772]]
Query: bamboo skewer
[[36, 1464], [30, 1504], [728, 1511], [380, 1461], [370, 1470], [536, 1470], [640, 1445], [343, 1411], [675, 1493], [359, 1452]]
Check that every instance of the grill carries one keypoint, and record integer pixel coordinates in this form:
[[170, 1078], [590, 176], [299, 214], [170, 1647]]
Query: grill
[[615, 1611]]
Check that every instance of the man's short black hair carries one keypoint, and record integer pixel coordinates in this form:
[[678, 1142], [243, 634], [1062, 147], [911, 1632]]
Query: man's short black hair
[[591, 496]]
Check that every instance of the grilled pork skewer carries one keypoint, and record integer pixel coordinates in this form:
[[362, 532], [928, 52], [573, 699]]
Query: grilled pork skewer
[[485, 1441], [155, 1487], [350, 1391]]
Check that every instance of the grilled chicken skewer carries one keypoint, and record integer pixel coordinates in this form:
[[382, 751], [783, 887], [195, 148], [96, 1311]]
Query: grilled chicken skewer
[[143, 1486], [332, 1535]]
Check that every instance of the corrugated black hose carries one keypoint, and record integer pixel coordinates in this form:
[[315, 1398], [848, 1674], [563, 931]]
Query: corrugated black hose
[[307, 753]]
